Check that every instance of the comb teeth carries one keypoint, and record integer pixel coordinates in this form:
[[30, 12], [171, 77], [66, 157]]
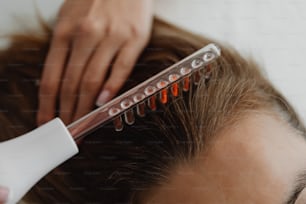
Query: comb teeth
[[175, 85], [117, 120], [163, 93], [169, 82], [128, 114], [186, 72], [140, 108]]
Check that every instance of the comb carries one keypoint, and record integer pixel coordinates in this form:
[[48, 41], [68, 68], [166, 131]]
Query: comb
[[171, 81]]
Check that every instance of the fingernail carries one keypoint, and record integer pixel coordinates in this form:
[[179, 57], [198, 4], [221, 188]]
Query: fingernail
[[3, 194], [103, 98]]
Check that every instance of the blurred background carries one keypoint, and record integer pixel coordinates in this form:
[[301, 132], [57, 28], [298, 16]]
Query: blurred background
[[271, 31]]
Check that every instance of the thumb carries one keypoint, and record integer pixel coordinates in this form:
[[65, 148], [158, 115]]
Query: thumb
[[3, 195]]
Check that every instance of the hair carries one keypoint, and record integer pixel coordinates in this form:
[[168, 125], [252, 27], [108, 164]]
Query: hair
[[117, 167]]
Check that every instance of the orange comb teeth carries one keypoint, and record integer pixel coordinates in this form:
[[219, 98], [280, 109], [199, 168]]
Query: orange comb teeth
[[171, 81]]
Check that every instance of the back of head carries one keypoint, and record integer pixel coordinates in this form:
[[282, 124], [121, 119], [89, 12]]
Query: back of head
[[116, 167]]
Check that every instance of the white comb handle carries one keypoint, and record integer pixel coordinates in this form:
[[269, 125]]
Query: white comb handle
[[26, 159]]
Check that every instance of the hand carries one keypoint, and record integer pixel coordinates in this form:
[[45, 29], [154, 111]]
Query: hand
[[3, 195], [89, 36]]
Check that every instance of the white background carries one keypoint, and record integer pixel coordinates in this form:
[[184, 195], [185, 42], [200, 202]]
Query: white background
[[271, 31]]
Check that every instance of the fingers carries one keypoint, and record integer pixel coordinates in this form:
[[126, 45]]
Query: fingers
[[51, 77], [83, 46], [106, 30], [3, 194], [123, 66], [94, 76]]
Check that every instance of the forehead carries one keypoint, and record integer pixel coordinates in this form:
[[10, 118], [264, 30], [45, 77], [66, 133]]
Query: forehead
[[255, 161]]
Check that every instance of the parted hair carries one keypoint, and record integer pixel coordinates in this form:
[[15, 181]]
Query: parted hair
[[118, 167]]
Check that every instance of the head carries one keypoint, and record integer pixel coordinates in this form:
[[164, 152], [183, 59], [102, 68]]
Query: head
[[233, 139]]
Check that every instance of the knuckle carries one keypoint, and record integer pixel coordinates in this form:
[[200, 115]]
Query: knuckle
[[62, 32], [90, 26], [113, 28], [118, 32], [139, 32]]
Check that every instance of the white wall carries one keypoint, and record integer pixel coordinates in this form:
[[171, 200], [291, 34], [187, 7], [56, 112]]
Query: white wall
[[26, 10], [271, 31]]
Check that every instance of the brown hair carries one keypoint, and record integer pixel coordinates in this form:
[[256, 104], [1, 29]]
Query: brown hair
[[116, 167]]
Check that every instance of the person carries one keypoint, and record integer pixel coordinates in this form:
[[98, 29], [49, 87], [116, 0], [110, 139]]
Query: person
[[3, 194], [97, 34], [232, 139]]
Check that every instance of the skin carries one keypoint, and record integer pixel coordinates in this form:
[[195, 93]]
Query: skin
[[255, 162], [3, 194], [88, 37]]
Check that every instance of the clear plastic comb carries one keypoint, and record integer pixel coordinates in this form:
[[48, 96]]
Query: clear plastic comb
[[172, 80]]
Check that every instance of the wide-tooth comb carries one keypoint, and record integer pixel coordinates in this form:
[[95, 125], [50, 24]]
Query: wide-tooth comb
[[172, 80]]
